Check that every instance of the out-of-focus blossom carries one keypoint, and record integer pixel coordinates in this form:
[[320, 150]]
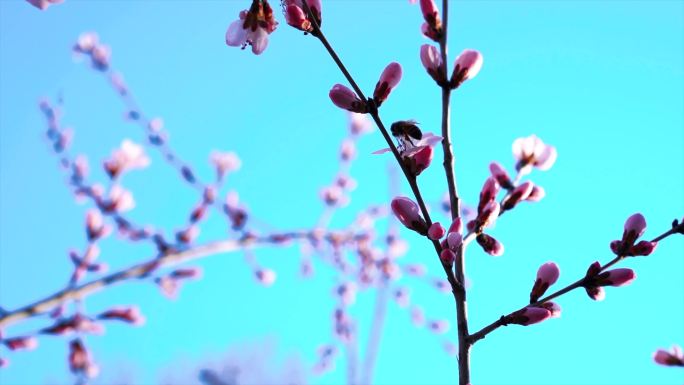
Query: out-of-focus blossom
[[432, 28], [439, 326], [538, 193], [408, 213], [674, 357], [130, 315], [532, 152], [347, 293], [402, 296], [21, 343], [389, 79], [359, 124], [119, 200], [80, 360], [43, 4], [253, 27], [95, 227], [466, 67], [225, 162], [345, 98], [265, 277], [347, 150], [432, 61], [188, 235], [334, 196], [128, 156], [547, 275], [634, 228], [501, 176], [296, 16]]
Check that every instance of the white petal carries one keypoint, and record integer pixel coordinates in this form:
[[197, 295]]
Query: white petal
[[259, 40]]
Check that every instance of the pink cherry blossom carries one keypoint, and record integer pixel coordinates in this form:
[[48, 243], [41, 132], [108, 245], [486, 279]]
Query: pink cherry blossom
[[500, 175], [674, 357], [408, 213], [43, 4], [389, 79], [547, 275], [432, 61], [297, 17], [532, 152], [119, 200], [417, 155], [346, 99], [529, 316], [432, 28], [253, 27], [634, 228], [225, 162], [436, 231], [467, 66], [128, 156]]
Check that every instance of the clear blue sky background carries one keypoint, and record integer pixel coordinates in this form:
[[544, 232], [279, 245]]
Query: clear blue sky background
[[603, 81]]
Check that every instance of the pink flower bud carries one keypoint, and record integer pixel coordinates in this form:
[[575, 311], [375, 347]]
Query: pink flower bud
[[436, 231], [416, 270], [409, 215], [489, 214], [634, 228], [488, 193], [454, 241], [456, 226], [518, 194], [126, 314], [642, 248], [597, 293], [432, 61], [674, 357], [447, 257], [616, 277], [296, 17], [432, 28], [418, 159], [553, 307], [80, 361], [21, 343], [500, 175], [389, 79], [265, 276], [439, 326], [529, 316], [538, 193], [346, 99], [490, 245], [547, 275], [467, 65]]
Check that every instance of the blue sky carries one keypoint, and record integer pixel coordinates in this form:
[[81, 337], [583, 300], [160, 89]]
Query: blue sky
[[602, 81]]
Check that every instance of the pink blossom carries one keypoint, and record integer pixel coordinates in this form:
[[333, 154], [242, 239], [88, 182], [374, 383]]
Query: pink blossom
[[439, 326], [80, 360], [547, 275], [296, 16], [346, 99], [119, 200], [538, 193], [490, 245], [347, 150], [334, 196], [532, 152], [417, 316], [409, 215], [488, 193], [21, 343], [417, 155], [402, 296], [518, 195], [188, 235], [456, 226], [447, 256], [389, 79], [454, 240], [127, 157], [467, 66], [225, 162], [528, 316], [252, 28], [265, 276], [634, 228], [594, 279], [127, 314], [432, 61], [500, 175], [617, 277], [674, 357], [43, 4], [432, 28], [95, 227], [359, 124], [436, 231], [347, 293]]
